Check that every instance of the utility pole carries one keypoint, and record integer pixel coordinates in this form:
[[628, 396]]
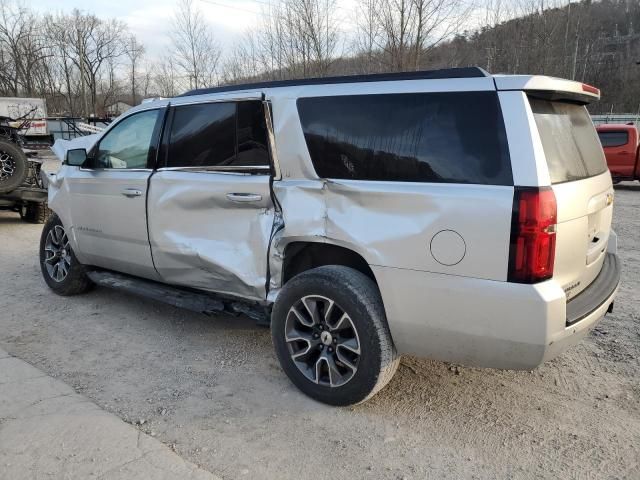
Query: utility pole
[[83, 93]]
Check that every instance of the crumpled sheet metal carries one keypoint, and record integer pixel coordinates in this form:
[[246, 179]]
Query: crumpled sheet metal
[[392, 225], [201, 239]]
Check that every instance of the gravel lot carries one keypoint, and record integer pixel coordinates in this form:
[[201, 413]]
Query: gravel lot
[[212, 390]]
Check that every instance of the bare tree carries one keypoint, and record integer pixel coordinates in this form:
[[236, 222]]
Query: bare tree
[[166, 80], [368, 31], [89, 44], [412, 28], [194, 48], [22, 48]]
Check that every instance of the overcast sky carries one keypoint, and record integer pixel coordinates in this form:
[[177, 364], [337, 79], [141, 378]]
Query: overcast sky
[[149, 19]]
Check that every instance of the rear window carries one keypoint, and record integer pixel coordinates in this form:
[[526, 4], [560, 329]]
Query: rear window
[[614, 139], [569, 139], [420, 137]]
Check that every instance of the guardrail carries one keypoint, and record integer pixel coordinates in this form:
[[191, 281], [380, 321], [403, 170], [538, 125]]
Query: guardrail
[[616, 118]]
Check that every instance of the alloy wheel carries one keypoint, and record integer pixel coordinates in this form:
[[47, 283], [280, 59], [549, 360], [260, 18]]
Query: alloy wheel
[[7, 166], [57, 253], [322, 340]]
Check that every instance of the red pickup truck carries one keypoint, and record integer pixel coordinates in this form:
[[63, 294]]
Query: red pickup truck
[[620, 144]]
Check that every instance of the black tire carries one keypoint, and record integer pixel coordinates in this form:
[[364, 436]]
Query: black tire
[[75, 281], [36, 212], [13, 166], [357, 296]]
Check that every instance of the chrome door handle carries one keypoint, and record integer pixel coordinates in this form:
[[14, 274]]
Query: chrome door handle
[[244, 197], [131, 192]]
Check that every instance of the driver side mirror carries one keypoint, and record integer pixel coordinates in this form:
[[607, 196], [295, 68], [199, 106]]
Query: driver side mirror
[[76, 157]]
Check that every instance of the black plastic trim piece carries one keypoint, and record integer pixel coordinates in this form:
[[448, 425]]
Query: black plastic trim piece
[[447, 73], [196, 301], [559, 96], [596, 294]]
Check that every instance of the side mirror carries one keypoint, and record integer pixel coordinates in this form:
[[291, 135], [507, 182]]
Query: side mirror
[[76, 157]]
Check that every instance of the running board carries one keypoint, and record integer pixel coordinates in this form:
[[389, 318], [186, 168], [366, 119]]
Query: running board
[[200, 302]]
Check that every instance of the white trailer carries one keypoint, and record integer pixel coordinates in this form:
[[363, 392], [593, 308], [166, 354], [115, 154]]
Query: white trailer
[[32, 109]]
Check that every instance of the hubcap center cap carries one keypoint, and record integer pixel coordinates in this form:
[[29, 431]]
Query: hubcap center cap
[[326, 338]]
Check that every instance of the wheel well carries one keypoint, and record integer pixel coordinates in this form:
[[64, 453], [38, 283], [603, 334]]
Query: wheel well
[[302, 256]]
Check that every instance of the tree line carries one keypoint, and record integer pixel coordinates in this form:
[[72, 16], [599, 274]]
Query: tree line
[[81, 63]]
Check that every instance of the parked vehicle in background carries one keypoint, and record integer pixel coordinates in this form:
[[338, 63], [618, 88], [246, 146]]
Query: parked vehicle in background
[[29, 117], [620, 143], [23, 127], [449, 214]]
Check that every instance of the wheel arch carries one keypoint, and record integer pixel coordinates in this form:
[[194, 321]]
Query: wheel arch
[[300, 256]]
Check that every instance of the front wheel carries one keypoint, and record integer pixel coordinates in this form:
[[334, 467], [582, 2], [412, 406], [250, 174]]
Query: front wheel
[[61, 270], [331, 335]]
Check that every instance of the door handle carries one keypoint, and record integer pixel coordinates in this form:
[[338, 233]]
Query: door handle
[[131, 192], [244, 197]]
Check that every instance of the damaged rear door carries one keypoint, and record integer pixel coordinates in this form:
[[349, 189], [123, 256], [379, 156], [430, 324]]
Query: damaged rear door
[[210, 208]]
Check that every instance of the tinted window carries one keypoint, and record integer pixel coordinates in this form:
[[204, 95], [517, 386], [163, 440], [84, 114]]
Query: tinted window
[[127, 144], [203, 135], [613, 139], [252, 135], [569, 140], [418, 137]]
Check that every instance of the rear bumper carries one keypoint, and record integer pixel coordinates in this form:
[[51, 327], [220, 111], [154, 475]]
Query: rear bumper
[[488, 323]]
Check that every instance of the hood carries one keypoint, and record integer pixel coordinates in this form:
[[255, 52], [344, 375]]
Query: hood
[[61, 147]]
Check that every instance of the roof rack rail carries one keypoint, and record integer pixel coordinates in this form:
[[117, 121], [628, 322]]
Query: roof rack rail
[[447, 73]]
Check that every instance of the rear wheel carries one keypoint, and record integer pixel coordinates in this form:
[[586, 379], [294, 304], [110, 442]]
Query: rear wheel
[[61, 270], [13, 166], [331, 336], [36, 212]]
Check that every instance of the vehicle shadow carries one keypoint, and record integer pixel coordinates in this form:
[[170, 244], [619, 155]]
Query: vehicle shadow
[[635, 186], [10, 218]]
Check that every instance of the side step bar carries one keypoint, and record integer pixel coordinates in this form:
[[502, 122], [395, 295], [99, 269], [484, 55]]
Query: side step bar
[[200, 302]]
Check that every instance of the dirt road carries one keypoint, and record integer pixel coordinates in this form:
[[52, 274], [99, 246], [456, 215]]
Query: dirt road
[[211, 388]]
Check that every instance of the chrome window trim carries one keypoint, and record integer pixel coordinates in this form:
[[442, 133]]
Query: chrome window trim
[[83, 169], [219, 169]]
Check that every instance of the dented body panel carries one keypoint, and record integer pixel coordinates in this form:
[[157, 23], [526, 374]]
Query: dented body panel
[[201, 239]]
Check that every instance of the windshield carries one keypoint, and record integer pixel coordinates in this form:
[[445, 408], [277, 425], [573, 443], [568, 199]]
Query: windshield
[[569, 139]]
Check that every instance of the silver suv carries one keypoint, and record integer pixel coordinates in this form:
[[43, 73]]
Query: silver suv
[[449, 214]]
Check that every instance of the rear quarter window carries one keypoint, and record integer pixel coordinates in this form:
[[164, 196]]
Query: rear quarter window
[[456, 137]]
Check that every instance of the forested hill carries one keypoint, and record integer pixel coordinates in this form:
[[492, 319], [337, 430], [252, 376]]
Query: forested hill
[[593, 42]]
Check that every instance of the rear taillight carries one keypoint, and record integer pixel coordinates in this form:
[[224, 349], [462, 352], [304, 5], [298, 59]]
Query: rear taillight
[[533, 235]]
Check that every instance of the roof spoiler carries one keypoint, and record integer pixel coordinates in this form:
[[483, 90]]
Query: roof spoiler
[[549, 88]]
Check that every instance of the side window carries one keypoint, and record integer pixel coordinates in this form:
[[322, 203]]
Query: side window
[[613, 138], [219, 135], [127, 144], [252, 135], [203, 135], [454, 137]]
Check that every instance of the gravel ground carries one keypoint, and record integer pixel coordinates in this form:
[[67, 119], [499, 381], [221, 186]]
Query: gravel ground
[[212, 390]]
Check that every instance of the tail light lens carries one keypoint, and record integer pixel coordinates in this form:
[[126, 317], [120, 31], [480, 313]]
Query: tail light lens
[[533, 235]]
